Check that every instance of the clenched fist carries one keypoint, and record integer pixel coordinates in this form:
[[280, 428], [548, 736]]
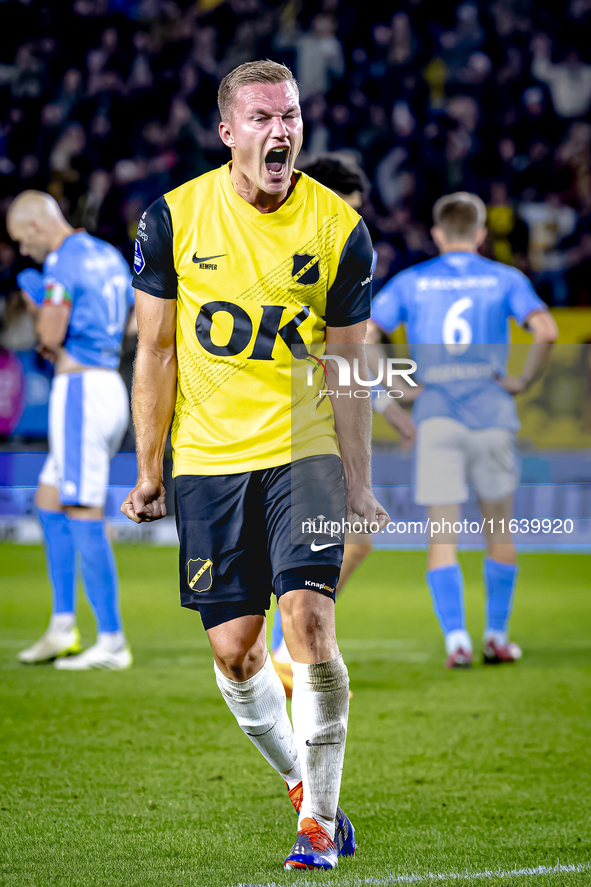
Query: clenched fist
[[146, 502]]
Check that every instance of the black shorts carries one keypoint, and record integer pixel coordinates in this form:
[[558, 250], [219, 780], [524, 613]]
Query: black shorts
[[243, 536]]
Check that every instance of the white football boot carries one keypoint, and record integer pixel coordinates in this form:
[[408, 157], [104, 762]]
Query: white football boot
[[97, 656], [52, 645]]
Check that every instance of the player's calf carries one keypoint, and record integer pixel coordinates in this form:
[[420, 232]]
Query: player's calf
[[446, 585], [258, 704], [62, 638], [320, 708], [499, 580]]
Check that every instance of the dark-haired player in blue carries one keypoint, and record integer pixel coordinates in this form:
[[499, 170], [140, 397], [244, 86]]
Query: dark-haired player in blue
[[84, 300], [456, 309]]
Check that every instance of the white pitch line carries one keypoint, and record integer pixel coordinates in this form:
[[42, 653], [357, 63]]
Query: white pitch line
[[441, 876]]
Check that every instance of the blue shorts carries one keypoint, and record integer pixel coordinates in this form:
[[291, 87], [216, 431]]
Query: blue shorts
[[243, 536]]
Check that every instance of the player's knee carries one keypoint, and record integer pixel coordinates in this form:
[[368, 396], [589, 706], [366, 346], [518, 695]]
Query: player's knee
[[299, 615], [505, 553], [47, 498], [239, 661], [306, 627]]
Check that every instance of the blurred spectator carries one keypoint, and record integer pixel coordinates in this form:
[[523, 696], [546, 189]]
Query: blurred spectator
[[575, 154], [319, 55], [89, 206], [394, 179], [62, 161], [27, 80], [458, 44], [387, 264], [403, 44], [140, 70], [569, 81], [316, 132], [11, 392], [18, 328], [508, 236], [548, 221], [461, 146], [7, 265], [531, 119], [435, 74]]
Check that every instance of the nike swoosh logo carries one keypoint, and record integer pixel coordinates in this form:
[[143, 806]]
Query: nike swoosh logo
[[197, 260], [309, 744], [315, 547]]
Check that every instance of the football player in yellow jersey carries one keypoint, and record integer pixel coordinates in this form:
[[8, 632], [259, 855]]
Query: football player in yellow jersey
[[234, 271]]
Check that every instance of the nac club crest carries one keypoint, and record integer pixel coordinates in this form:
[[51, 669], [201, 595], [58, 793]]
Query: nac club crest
[[306, 269], [199, 574]]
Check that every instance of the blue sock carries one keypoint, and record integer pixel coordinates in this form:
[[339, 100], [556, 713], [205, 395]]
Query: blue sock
[[499, 582], [446, 585], [99, 572], [60, 558], [276, 631]]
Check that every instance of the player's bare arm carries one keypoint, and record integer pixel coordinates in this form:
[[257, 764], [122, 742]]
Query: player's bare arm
[[353, 424], [51, 328], [154, 393], [545, 332]]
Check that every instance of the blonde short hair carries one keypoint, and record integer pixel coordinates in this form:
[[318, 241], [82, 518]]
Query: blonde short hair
[[459, 215], [264, 71]]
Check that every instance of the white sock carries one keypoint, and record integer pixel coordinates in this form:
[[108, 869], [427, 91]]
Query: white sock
[[62, 623], [258, 705], [320, 708], [499, 636], [456, 639], [112, 641]]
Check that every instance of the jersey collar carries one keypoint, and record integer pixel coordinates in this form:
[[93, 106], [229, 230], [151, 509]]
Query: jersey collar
[[287, 209]]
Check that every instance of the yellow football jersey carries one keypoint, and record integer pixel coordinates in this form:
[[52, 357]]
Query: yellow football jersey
[[251, 286]]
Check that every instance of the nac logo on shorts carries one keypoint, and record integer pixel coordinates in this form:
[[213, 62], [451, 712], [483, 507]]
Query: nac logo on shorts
[[199, 574], [306, 269]]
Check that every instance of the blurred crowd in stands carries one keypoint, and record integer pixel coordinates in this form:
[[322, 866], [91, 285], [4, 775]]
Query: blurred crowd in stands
[[109, 103]]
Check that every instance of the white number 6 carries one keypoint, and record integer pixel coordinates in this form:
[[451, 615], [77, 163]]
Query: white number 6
[[457, 332]]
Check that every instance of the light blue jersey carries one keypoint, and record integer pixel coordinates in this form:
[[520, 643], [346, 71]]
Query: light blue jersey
[[92, 277], [456, 309]]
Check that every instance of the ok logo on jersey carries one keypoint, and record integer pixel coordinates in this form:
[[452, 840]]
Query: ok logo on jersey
[[269, 331]]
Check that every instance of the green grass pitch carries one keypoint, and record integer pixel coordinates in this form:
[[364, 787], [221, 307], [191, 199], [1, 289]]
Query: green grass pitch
[[143, 779]]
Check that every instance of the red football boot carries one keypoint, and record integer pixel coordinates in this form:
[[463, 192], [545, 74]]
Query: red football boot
[[313, 848], [460, 658], [495, 653]]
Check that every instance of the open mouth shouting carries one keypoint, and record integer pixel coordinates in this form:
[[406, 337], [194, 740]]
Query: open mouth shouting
[[276, 162]]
